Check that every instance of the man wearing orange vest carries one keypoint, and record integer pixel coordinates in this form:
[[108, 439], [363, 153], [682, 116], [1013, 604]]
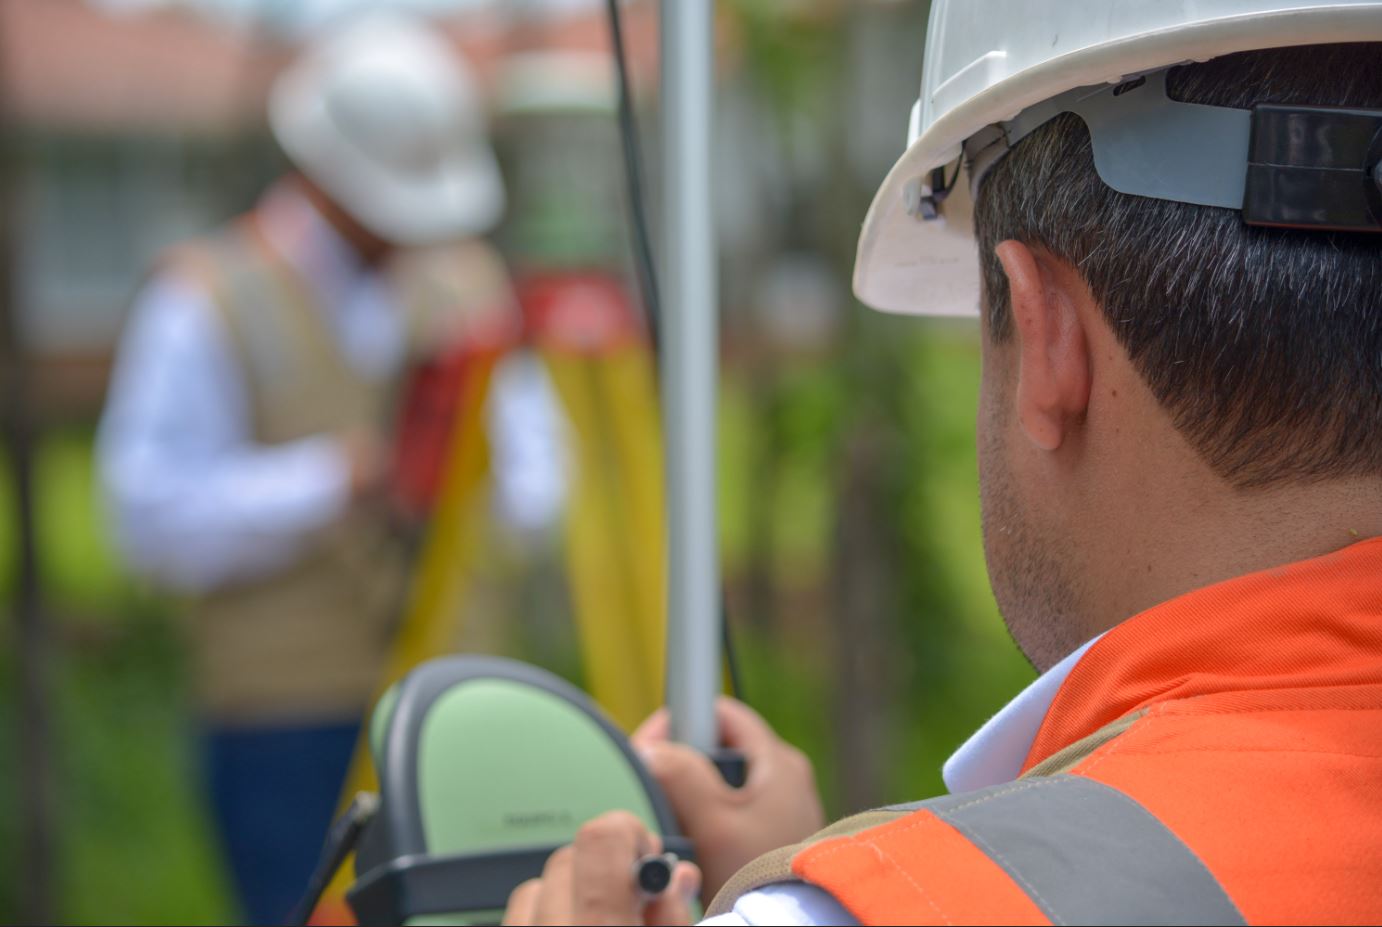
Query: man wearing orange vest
[[1176, 209]]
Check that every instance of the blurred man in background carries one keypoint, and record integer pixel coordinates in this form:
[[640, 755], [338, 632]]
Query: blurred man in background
[[244, 447]]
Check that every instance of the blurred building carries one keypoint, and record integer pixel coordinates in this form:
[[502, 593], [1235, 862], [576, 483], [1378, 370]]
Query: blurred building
[[126, 134], [134, 125]]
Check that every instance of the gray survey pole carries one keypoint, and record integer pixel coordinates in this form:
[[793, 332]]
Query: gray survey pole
[[689, 346]]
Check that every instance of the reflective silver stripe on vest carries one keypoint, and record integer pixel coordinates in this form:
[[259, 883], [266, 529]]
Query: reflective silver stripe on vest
[[1085, 853]]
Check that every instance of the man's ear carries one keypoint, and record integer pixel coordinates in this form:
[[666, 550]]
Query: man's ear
[[1053, 378]]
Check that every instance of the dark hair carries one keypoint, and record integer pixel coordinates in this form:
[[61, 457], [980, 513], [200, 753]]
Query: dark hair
[[1264, 345]]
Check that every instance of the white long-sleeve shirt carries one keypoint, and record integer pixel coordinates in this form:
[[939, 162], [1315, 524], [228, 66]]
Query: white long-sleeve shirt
[[195, 501], [993, 755]]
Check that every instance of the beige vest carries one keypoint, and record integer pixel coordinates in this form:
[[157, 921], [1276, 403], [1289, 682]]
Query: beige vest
[[307, 644]]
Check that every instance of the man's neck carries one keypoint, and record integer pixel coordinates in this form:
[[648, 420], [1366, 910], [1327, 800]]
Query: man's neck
[[1191, 537], [1148, 519]]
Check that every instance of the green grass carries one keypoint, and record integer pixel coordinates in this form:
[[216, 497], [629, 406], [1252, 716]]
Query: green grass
[[77, 561], [132, 840]]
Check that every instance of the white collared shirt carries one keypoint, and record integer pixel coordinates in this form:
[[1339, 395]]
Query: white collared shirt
[[195, 502], [994, 754]]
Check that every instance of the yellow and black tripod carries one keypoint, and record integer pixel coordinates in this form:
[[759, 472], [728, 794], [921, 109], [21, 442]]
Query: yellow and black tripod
[[596, 351]]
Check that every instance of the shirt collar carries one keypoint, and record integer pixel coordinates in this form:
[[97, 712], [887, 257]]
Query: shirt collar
[[994, 754]]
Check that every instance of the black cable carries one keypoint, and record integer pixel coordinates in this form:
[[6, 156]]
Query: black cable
[[646, 266], [644, 263], [736, 681], [340, 840]]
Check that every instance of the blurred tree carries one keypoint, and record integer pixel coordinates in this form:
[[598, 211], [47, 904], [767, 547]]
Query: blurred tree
[[901, 629], [34, 743]]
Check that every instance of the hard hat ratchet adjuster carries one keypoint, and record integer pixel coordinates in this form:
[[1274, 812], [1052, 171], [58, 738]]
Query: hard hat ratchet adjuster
[[1315, 167]]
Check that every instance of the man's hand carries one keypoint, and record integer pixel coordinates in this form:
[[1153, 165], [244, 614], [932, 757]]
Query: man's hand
[[368, 459], [729, 827], [592, 881]]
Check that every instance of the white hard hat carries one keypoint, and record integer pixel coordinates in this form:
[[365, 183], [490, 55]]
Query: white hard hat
[[384, 116], [996, 69]]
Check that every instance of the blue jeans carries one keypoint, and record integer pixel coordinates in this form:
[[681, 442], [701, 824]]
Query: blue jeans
[[274, 791]]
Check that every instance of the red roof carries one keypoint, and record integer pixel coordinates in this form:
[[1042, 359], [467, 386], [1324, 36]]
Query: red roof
[[68, 64]]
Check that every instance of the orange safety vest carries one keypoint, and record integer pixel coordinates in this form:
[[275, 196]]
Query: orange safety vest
[[1215, 759]]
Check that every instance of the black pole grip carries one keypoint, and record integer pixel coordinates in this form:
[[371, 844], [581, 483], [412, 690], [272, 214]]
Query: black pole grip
[[733, 766]]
